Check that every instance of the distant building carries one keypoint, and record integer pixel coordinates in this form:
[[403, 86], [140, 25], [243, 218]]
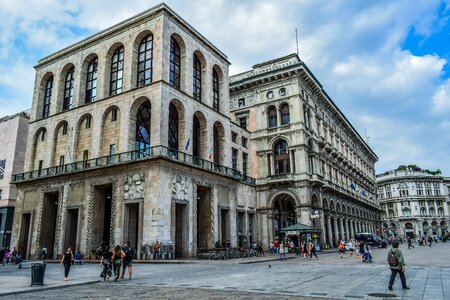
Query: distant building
[[13, 137], [413, 203]]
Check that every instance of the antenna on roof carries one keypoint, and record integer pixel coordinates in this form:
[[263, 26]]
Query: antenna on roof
[[296, 39]]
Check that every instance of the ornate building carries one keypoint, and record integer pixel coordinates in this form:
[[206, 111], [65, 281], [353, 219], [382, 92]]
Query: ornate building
[[312, 166], [413, 203], [131, 138], [13, 135]]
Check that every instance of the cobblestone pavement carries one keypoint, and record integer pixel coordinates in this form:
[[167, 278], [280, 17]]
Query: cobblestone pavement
[[330, 277]]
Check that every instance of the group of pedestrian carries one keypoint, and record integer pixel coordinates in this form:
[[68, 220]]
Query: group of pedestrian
[[7, 256], [112, 260]]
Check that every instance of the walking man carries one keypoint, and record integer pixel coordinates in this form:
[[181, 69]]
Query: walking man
[[282, 251], [397, 265], [127, 261], [410, 243]]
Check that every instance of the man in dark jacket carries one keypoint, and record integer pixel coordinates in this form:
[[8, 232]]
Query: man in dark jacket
[[399, 267]]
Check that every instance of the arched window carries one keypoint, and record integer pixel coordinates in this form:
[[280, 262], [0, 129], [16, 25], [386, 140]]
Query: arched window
[[47, 97], [142, 140], [440, 211], [423, 211], [272, 115], [175, 64], [216, 103], [432, 211], [68, 90], [281, 157], [196, 137], [91, 81], [197, 79], [216, 150], [285, 118], [173, 127], [117, 72], [145, 61]]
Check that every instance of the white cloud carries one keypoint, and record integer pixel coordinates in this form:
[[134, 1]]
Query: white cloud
[[441, 98]]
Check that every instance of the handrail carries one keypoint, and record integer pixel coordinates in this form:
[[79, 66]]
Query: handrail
[[131, 156]]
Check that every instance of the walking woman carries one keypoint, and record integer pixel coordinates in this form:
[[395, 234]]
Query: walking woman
[[117, 260], [67, 261], [312, 250]]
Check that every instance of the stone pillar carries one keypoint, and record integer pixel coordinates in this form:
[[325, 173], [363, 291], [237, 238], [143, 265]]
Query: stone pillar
[[335, 226], [352, 232], [303, 214], [358, 226], [329, 232], [341, 227], [347, 232], [322, 226]]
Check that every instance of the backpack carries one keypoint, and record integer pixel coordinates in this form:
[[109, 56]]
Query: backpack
[[129, 252], [392, 259]]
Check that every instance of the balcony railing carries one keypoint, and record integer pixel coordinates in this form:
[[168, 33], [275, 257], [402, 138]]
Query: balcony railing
[[131, 156]]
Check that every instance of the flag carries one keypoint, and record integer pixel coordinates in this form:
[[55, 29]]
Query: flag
[[210, 153], [187, 145], [352, 186]]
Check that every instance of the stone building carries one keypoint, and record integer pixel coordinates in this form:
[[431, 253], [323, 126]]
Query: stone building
[[413, 203], [13, 135], [129, 140], [311, 165], [132, 138]]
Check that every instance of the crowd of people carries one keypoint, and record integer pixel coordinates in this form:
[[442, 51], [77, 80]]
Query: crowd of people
[[8, 256]]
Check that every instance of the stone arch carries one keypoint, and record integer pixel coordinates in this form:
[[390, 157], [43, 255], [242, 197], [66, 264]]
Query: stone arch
[[40, 148], [61, 143], [41, 94], [135, 55], [325, 204], [332, 206], [283, 207], [181, 123], [183, 59], [83, 140], [276, 139], [107, 70], [110, 131], [83, 77], [61, 85], [202, 135]]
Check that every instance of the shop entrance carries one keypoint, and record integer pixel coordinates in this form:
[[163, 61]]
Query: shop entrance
[[180, 229], [71, 229], [204, 230], [24, 235], [48, 223], [131, 224], [101, 210]]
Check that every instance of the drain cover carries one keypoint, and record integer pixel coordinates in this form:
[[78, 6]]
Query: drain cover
[[382, 295]]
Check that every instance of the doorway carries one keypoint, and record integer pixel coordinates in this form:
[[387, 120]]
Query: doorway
[[72, 229], [181, 226], [48, 223], [224, 225], [204, 229], [131, 224], [101, 211], [24, 235]]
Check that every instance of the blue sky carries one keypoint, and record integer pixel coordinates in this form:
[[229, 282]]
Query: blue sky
[[386, 64]]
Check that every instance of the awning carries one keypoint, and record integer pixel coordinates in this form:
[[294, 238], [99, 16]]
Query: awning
[[300, 228]]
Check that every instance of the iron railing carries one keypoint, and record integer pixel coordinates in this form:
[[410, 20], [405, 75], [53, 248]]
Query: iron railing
[[132, 156]]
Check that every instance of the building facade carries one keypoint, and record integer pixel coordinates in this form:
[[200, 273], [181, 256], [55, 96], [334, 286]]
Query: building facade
[[311, 165], [13, 134], [132, 138], [413, 203]]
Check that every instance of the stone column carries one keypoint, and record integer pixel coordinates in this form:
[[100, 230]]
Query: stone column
[[352, 232], [335, 226], [358, 226], [347, 235], [322, 226], [329, 232], [341, 227]]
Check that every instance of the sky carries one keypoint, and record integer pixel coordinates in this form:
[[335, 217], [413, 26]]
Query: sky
[[386, 64]]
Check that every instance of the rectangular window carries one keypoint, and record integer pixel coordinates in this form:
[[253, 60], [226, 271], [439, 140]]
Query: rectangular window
[[241, 102], [88, 122], [112, 149], [244, 163], [41, 162], [242, 122], [64, 129], [234, 137], [234, 155], [2, 168], [114, 115], [0, 194], [61, 160], [244, 142], [269, 172]]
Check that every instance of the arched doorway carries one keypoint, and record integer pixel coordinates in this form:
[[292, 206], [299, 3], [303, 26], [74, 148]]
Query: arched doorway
[[284, 212], [409, 229]]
